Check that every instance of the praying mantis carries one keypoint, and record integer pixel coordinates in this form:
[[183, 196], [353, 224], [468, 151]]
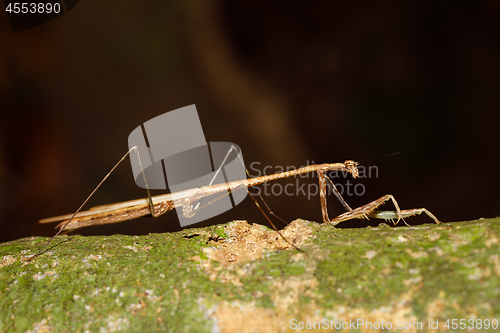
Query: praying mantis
[[161, 204]]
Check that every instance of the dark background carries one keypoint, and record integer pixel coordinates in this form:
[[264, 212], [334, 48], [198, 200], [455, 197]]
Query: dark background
[[289, 82]]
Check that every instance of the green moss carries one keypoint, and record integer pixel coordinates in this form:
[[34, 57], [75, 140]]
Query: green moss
[[151, 282], [221, 232]]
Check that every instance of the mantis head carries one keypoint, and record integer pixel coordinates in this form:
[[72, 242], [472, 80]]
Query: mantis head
[[352, 167]]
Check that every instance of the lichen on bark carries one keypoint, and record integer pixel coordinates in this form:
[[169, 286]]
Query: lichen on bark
[[237, 277]]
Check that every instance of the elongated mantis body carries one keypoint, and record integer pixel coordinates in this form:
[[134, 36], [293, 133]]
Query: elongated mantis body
[[161, 204]]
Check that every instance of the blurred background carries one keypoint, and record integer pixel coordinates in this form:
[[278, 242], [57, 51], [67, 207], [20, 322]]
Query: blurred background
[[292, 83]]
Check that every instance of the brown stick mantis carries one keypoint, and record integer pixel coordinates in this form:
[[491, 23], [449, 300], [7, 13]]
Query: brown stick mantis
[[161, 204]]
